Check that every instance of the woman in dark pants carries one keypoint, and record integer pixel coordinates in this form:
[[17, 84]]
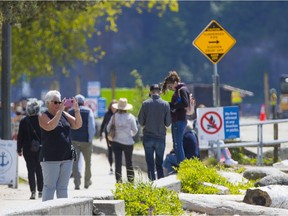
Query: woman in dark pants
[[103, 128], [126, 128], [29, 129]]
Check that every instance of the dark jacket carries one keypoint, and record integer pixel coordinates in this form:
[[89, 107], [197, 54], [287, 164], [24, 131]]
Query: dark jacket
[[81, 134], [179, 103], [105, 122], [191, 144], [26, 134]]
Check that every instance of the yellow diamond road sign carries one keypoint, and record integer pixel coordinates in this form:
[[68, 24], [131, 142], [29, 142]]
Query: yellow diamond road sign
[[214, 42]]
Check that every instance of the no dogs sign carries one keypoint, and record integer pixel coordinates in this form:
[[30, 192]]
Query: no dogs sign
[[218, 123]]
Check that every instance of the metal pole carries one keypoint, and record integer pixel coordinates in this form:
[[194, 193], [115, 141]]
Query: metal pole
[[216, 88], [6, 81]]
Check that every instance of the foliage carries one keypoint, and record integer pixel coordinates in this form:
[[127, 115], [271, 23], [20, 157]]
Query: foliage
[[146, 199], [242, 158], [139, 91], [130, 93], [193, 173], [53, 34]]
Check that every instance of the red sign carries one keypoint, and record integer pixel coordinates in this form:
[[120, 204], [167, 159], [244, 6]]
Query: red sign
[[211, 122]]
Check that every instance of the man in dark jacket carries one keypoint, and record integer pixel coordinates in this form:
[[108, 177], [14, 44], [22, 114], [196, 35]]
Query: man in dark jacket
[[154, 116], [82, 141]]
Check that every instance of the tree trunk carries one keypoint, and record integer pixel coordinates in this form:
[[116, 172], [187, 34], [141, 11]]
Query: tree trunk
[[271, 196]]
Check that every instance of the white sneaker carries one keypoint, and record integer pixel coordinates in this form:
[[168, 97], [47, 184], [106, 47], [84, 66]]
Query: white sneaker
[[231, 162]]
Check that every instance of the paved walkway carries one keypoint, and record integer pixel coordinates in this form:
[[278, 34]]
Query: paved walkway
[[101, 180], [14, 198]]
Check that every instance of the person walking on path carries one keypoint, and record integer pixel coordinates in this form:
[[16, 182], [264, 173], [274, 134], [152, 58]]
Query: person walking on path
[[29, 130], [179, 103], [125, 129], [103, 128], [57, 152], [82, 141], [154, 116]]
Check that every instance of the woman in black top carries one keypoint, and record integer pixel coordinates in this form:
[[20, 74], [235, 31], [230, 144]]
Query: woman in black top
[[104, 124], [178, 106], [56, 155], [29, 130]]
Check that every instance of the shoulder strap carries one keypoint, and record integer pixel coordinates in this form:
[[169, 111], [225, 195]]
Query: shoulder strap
[[28, 120]]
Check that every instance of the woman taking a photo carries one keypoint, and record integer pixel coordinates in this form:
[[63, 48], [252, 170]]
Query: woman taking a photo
[[57, 153]]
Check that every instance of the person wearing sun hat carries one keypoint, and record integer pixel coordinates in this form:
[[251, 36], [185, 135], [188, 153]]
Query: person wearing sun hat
[[126, 128]]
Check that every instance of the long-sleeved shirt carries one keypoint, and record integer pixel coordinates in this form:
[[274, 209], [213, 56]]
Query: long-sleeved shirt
[[126, 128], [154, 116]]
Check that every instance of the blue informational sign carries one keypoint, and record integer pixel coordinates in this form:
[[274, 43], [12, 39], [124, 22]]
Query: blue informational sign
[[101, 107], [218, 123], [231, 122]]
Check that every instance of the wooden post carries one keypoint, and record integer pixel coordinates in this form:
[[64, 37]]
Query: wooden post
[[113, 85]]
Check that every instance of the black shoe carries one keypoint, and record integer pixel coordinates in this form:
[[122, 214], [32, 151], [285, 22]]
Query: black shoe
[[87, 186], [33, 195], [111, 171], [77, 188], [40, 194]]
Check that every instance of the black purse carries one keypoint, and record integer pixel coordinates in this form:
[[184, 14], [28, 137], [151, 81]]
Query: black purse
[[35, 143]]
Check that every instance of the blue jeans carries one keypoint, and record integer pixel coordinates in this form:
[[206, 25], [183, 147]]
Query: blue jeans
[[56, 175], [157, 146], [177, 136], [169, 163]]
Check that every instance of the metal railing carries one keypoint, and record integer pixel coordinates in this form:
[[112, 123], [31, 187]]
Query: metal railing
[[260, 143]]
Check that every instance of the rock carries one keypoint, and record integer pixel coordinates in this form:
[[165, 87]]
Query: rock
[[280, 179], [255, 173], [234, 178], [283, 165]]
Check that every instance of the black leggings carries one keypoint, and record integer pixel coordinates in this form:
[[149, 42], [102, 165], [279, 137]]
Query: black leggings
[[34, 168], [118, 148], [109, 152]]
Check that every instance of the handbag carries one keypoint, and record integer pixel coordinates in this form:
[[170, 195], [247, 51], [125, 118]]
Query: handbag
[[35, 143], [112, 131]]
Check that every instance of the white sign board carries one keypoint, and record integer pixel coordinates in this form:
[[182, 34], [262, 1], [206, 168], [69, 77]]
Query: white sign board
[[8, 163], [218, 123], [93, 89]]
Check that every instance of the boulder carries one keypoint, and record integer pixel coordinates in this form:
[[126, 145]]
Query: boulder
[[255, 173], [280, 179]]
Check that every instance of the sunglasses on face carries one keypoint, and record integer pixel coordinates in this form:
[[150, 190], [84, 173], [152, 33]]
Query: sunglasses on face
[[56, 102]]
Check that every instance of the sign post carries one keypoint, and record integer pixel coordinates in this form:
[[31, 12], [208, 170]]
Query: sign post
[[214, 42]]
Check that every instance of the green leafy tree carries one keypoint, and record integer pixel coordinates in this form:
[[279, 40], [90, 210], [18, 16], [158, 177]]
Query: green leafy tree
[[52, 34]]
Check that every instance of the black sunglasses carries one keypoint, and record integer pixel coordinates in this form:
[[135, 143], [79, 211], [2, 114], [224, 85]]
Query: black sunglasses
[[56, 102]]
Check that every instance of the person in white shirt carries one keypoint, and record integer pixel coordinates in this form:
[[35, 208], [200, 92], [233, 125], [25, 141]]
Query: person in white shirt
[[126, 128]]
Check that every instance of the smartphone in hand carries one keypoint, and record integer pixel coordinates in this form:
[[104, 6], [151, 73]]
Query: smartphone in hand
[[68, 102]]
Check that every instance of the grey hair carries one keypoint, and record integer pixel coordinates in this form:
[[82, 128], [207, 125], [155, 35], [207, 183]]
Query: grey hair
[[51, 95]]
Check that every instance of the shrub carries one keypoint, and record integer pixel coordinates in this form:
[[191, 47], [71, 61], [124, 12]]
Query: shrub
[[193, 173], [145, 199]]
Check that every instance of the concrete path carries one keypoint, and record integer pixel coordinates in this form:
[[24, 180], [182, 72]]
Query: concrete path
[[102, 181]]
